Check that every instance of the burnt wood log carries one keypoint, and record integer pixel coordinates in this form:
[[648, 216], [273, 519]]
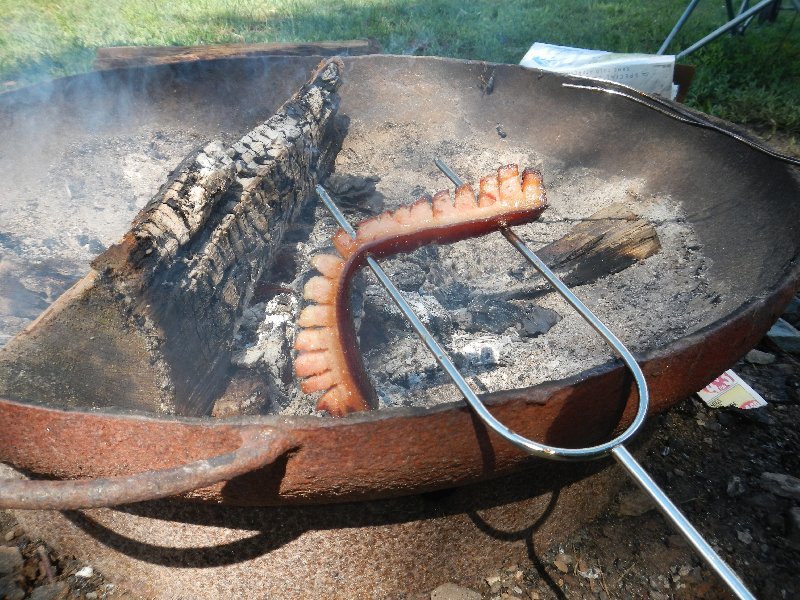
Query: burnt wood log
[[606, 242], [150, 327], [610, 240], [113, 57]]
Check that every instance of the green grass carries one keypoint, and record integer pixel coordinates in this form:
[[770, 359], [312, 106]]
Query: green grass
[[752, 79]]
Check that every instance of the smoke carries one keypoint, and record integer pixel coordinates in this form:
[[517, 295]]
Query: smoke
[[81, 155]]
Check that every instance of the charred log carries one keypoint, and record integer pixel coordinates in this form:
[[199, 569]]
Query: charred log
[[610, 240], [181, 277]]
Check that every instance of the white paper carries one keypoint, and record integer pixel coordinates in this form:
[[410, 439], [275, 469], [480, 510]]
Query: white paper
[[649, 73], [730, 390]]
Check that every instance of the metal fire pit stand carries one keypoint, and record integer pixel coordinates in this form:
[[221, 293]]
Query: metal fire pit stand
[[739, 21], [613, 447]]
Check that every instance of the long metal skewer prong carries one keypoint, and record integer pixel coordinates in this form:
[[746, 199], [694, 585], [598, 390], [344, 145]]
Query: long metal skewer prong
[[441, 356], [618, 451]]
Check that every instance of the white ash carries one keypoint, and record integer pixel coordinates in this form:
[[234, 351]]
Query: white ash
[[479, 351], [648, 304], [271, 324]]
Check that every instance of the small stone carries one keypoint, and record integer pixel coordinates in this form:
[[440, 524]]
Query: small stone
[[744, 536], [561, 565], [793, 524], [757, 357], [10, 534], [51, 591], [9, 588], [451, 591], [85, 572], [782, 485], [10, 559], [785, 337], [91, 596], [494, 582], [735, 487], [634, 504]]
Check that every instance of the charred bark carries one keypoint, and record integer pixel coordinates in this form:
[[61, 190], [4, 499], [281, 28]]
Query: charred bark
[[177, 283], [607, 242], [610, 240]]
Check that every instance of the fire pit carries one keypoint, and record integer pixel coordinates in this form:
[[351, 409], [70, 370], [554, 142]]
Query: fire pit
[[726, 211]]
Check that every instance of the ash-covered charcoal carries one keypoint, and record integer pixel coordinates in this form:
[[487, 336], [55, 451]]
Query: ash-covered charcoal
[[263, 346], [355, 192], [381, 313], [408, 274], [481, 351], [497, 318], [537, 321], [175, 290]]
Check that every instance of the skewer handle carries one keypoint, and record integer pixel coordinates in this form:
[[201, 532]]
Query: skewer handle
[[616, 449], [681, 523]]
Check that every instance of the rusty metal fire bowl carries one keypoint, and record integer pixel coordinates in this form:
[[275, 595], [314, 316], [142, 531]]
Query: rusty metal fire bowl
[[385, 490]]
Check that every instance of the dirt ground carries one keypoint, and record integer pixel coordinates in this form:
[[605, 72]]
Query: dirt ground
[[725, 468]]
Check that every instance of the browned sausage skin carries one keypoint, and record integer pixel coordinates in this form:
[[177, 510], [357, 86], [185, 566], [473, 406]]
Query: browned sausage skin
[[328, 359]]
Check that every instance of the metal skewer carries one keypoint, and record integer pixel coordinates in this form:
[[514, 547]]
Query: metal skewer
[[613, 447]]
